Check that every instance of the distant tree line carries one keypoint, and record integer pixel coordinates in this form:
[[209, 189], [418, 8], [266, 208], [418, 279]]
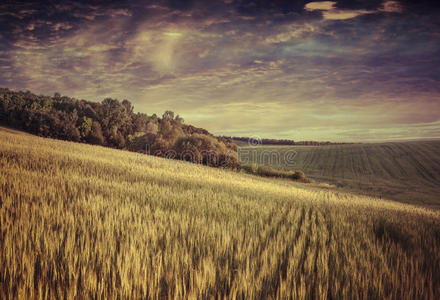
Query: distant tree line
[[255, 142], [114, 124]]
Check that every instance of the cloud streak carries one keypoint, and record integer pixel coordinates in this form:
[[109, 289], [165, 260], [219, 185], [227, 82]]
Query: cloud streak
[[288, 69], [330, 11]]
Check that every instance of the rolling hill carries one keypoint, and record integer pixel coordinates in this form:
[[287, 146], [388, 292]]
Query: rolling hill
[[82, 221], [403, 171]]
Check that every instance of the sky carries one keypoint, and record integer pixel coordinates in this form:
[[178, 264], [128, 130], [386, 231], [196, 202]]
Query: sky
[[346, 70]]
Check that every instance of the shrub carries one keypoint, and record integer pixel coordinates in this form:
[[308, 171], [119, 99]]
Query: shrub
[[271, 172], [205, 149], [298, 175]]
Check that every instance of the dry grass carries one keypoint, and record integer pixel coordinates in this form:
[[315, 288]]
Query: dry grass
[[79, 221]]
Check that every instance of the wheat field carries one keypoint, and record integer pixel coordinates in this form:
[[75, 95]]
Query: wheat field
[[80, 221], [403, 171]]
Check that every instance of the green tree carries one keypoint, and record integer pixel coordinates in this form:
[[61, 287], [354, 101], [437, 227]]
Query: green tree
[[168, 115], [85, 125], [95, 136]]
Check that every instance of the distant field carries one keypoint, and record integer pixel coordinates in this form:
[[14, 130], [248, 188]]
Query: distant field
[[404, 171], [87, 222]]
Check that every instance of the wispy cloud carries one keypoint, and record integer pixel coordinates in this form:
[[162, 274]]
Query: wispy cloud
[[330, 11], [324, 70]]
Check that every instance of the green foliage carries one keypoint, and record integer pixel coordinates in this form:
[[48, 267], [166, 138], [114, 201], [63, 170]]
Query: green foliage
[[95, 136], [267, 171], [85, 126], [140, 122], [206, 150], [248, 141], [110, 123], [298, 175], [168, 115]]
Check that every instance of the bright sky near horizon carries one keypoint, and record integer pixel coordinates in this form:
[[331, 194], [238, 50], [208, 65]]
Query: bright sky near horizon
[[347, 70]]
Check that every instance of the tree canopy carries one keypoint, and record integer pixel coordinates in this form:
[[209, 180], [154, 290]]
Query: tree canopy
[[114, 124]]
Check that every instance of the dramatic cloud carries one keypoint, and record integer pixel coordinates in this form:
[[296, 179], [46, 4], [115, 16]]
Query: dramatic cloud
[[331, 12], [325, 70]]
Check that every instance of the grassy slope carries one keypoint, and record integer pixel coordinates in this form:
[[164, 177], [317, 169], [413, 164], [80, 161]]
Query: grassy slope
[[85, 221], [407, 172]]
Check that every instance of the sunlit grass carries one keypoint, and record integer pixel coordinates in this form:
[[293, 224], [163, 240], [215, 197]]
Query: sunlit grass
[[79, 221]]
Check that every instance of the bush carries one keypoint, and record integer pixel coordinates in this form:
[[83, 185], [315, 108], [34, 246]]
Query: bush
[[205, 149], [298, 175], [271, 172]]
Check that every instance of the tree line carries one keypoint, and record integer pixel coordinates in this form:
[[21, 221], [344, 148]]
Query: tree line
[[285, 142], [114, 124], [255, 141]]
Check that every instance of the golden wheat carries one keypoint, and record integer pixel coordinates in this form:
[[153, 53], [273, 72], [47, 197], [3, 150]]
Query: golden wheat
[[80, 221]]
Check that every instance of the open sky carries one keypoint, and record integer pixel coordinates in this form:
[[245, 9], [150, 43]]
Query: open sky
[[346, 70]]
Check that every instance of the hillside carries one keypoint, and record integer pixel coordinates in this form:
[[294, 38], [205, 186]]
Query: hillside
[[114, 124], [91, 222], [403, 171]]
